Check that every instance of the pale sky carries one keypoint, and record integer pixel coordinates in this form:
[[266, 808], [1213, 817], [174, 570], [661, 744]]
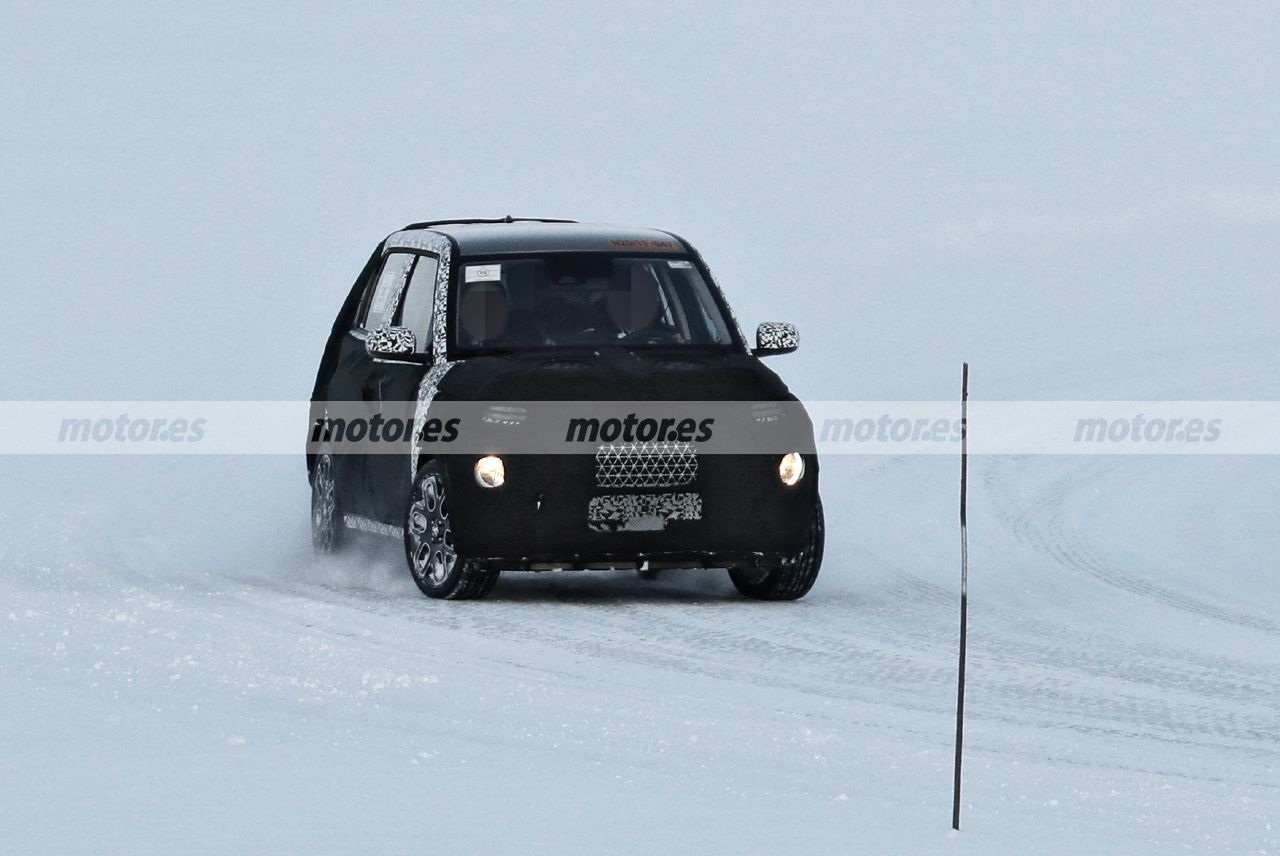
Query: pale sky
[[1047, 191]]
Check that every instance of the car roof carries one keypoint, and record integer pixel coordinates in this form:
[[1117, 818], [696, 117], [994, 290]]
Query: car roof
[[517, 235]]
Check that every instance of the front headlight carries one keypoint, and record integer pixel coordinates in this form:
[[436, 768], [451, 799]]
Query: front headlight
[[791, 468], [490, 471]]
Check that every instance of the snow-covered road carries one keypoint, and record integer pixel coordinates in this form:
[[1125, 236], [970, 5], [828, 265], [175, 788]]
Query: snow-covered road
[[178, 672]]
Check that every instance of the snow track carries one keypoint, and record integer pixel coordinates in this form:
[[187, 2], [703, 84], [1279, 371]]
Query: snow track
[[1051, 525], [205, 666]]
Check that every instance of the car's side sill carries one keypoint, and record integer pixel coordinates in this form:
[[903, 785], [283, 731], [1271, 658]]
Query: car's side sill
[[374, 527]]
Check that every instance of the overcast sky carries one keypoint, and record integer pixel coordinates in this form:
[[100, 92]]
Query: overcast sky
[[1050, 192]]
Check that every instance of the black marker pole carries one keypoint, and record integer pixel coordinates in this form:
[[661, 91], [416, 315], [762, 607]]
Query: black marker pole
[[964, 589]]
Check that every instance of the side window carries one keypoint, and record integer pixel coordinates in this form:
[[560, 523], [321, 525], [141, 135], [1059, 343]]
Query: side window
[[389, 283], [415, 309]]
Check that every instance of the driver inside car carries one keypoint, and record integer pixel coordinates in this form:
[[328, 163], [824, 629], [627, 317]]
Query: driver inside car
[[634, 307]]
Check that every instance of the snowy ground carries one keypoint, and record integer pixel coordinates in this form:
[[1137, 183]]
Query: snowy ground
[[180, 674]]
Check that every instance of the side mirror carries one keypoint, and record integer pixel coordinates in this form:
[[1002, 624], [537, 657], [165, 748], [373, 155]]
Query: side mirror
[[776, 337], [391, 343]]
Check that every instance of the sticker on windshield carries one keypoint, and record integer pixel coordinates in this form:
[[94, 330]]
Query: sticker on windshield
[[484, 273], [645, 244], [680, 264]]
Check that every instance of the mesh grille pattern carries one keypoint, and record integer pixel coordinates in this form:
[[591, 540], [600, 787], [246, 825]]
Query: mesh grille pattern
[[646, 464]]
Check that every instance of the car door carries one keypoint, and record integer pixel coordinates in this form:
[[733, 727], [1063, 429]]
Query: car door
[[394, 385], [353, 392]]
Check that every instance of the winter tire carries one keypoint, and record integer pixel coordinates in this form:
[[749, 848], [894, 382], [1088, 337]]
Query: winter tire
[[428, 543], [328, 533], [792, 579]]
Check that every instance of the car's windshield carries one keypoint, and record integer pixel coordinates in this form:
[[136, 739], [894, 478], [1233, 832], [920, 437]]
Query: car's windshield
[[576, 300]]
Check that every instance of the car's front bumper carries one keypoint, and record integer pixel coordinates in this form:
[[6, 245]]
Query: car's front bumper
[[551, 512]]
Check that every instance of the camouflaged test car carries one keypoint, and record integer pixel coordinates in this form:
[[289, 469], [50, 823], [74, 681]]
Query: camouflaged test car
[[505, 314]]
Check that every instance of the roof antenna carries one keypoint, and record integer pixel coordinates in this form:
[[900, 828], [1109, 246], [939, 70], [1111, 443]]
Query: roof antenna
[[508, 219]]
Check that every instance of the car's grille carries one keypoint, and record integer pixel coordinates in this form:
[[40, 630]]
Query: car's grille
[[646, 465]]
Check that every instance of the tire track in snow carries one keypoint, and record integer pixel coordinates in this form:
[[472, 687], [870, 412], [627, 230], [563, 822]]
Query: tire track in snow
[[1042, 525]]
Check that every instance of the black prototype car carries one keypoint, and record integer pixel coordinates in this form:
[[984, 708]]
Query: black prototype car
[[501, 315]]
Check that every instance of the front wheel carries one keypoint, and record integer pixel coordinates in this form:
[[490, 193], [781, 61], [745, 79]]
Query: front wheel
[[428, 543], [793, 578]]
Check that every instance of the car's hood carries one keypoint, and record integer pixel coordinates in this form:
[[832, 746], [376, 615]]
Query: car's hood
[[613, 374]]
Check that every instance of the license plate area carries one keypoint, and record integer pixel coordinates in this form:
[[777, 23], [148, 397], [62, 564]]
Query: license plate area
[[641, 512]]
